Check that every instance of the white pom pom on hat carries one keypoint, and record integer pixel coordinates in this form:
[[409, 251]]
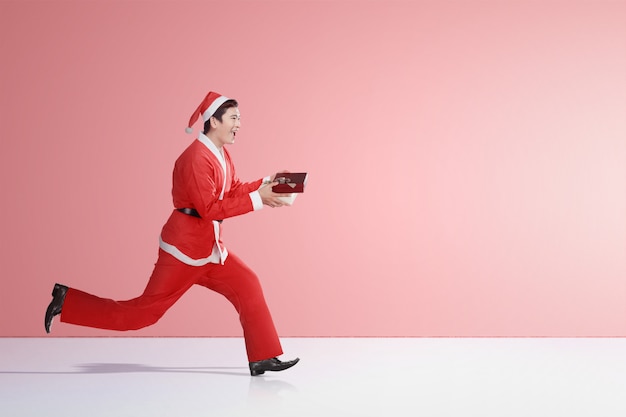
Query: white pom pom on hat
[[207, 108]]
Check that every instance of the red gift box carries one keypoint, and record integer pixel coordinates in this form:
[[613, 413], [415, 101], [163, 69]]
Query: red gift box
[[290, 182]]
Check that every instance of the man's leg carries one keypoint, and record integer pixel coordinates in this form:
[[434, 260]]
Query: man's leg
[[241, 286], [169, 281]]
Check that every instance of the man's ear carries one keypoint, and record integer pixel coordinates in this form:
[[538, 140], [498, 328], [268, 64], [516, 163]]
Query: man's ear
[[213, 122]]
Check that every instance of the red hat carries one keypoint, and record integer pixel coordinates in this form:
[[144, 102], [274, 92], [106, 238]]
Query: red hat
[[207, 108]]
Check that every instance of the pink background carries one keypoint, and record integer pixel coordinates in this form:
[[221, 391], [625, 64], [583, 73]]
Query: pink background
[[467, 160]]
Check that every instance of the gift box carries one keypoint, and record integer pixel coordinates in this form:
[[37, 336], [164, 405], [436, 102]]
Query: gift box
[[290, 182], [288, 199]]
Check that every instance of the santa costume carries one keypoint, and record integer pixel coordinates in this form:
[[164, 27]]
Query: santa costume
[[205, 191]]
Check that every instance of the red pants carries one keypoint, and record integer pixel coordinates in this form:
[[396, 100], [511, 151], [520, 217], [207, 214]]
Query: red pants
[[169, 281]]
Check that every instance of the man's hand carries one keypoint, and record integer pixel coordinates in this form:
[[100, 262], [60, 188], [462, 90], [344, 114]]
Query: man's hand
[[278, 174], [269, 197]]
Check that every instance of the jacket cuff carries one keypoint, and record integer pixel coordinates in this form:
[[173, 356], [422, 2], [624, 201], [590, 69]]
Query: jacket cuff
[[257, 202]]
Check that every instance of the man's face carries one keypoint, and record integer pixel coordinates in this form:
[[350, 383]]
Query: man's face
[[223, 133]]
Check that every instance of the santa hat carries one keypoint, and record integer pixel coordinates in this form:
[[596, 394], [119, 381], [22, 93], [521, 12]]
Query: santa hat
[[207, 108]]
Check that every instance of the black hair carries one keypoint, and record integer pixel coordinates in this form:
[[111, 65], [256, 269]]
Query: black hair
[[219, 113]]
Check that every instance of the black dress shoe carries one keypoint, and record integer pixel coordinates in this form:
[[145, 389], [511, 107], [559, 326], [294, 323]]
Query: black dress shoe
[[273, 364], [54, 308]]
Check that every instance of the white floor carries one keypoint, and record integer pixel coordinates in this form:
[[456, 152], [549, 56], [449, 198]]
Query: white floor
[[186, 377]]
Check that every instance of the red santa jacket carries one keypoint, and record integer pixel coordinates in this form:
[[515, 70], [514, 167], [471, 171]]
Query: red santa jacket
[[204, 179]]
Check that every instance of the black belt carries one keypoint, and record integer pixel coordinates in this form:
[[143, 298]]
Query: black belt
[[192, 212]]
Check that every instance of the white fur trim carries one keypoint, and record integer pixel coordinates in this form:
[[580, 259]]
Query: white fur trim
[[217, 256], [213, 107], [257, 202]]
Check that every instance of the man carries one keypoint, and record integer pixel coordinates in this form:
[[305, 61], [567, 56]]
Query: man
[[205, 191]]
